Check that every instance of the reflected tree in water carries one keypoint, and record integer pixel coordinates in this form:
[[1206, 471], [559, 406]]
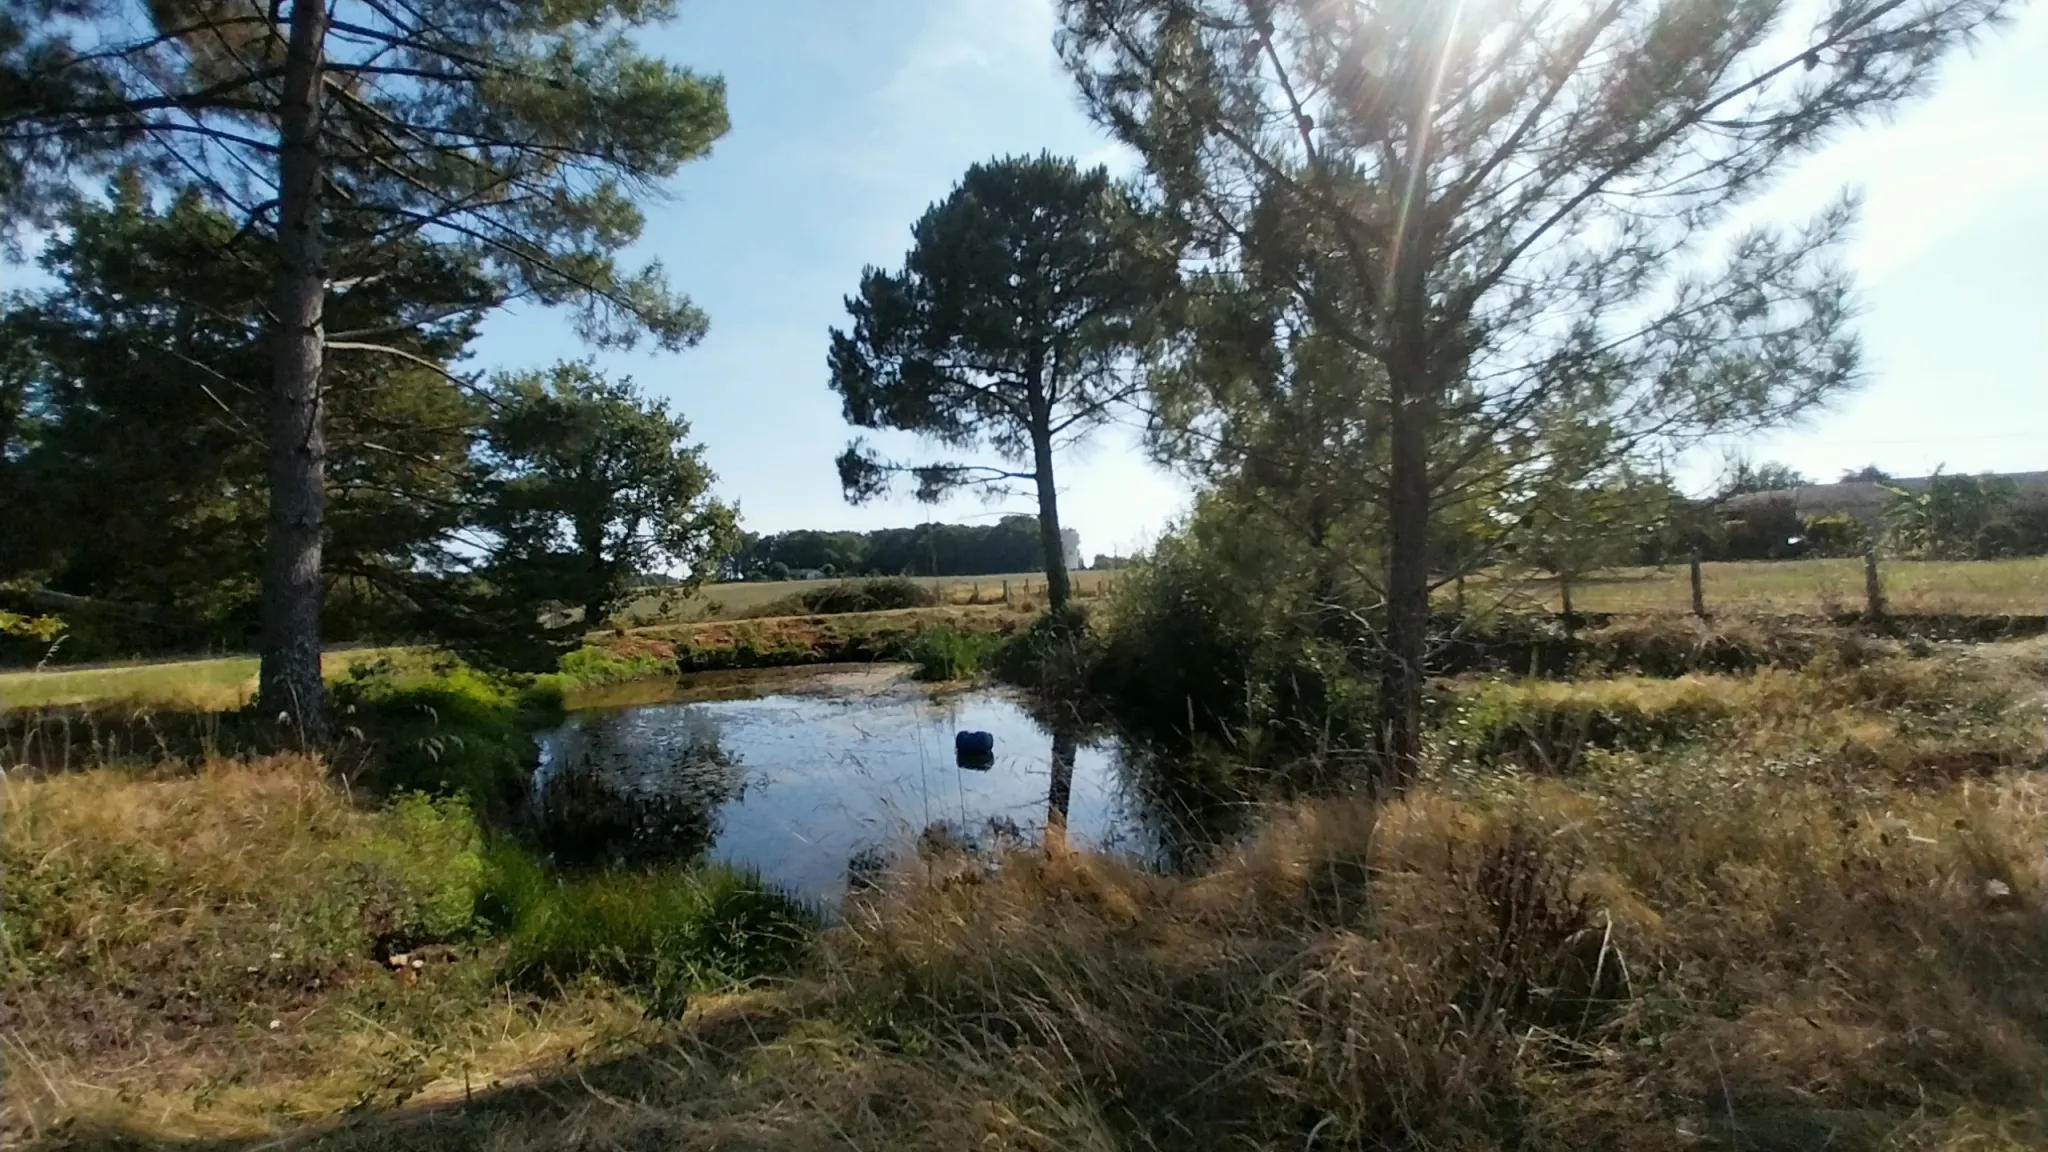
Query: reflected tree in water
[[1065, 746], [625, 794]]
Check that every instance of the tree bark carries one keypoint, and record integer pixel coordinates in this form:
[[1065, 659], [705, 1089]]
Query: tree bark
[[597, 594], [288, 680], [1407, 634], [1056, 584], [1411, 402]]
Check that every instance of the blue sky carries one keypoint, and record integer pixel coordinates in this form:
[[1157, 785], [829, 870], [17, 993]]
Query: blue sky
[[848, 119]]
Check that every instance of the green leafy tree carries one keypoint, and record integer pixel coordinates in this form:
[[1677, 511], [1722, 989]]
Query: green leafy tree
[[590, 486], [1868, 474], [140, 372], [1743, 476], [521, 133], [1420, 230], [1944, 517], [1010, 327]]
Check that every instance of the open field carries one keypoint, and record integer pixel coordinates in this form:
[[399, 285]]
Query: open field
[[1795, 587], [219, 684], [1791, 587], [725, 601]]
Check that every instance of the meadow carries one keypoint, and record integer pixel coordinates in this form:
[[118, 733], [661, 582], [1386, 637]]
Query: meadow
[[1793, 587]]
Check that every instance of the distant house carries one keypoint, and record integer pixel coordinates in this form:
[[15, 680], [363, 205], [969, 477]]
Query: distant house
[[1864, 499], [1070, 547]]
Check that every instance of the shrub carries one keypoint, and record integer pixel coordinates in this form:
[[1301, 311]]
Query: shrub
[[1550, 725], [942, 653], [1227, 629], [446, 731], [591, 667], [423, 867], [875, 595]]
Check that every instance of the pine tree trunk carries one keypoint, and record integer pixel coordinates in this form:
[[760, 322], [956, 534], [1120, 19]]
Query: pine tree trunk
[[1412, 373], [288, 681], [1056, 584], [1407, 635]]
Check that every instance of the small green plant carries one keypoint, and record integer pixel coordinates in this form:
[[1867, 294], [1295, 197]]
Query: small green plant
[[592, 667], [423, 864]]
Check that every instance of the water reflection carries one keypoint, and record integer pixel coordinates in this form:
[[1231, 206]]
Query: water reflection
[[824, 771], [608, 794]]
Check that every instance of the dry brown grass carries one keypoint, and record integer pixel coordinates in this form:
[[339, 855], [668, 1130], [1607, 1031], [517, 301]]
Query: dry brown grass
[[1754, 938], [197, 953], [1745, 962]]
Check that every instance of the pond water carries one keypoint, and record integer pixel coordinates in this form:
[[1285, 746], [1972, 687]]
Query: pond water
[[810, 775]]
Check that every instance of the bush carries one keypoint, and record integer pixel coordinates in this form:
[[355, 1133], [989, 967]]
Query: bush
[[877, 595], [1836, 534], [1228, 631], [423, 869], [446, 731], [942, 653], [599, 667], [1550, 726]]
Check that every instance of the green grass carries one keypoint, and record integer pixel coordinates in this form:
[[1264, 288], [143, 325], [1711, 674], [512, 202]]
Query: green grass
[[1978, 587], [248, 943], [215, 685], [664, 933]]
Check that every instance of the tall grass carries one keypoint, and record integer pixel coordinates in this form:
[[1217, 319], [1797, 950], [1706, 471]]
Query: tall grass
[[218, 948], [1786, 909]]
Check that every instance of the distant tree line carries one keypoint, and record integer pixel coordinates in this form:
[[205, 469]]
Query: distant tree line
[[1012, 544]]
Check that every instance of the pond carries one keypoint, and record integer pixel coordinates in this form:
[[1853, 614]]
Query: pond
[[809, 776]]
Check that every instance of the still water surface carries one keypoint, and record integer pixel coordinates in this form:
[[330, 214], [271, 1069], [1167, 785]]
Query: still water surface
[[798, 774]]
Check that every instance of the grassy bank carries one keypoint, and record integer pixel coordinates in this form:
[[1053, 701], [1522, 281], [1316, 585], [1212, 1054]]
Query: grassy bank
[[1778, 908], [730, 601], [836, 639], [247, 946], [613, 657], [215, 685]]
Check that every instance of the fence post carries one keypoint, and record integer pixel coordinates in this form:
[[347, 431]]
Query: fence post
[[1564, 590], [1699, 594], [1006, 591], [1873, 586]]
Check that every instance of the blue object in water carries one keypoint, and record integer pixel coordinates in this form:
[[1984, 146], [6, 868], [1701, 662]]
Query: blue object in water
[[974, 744]]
